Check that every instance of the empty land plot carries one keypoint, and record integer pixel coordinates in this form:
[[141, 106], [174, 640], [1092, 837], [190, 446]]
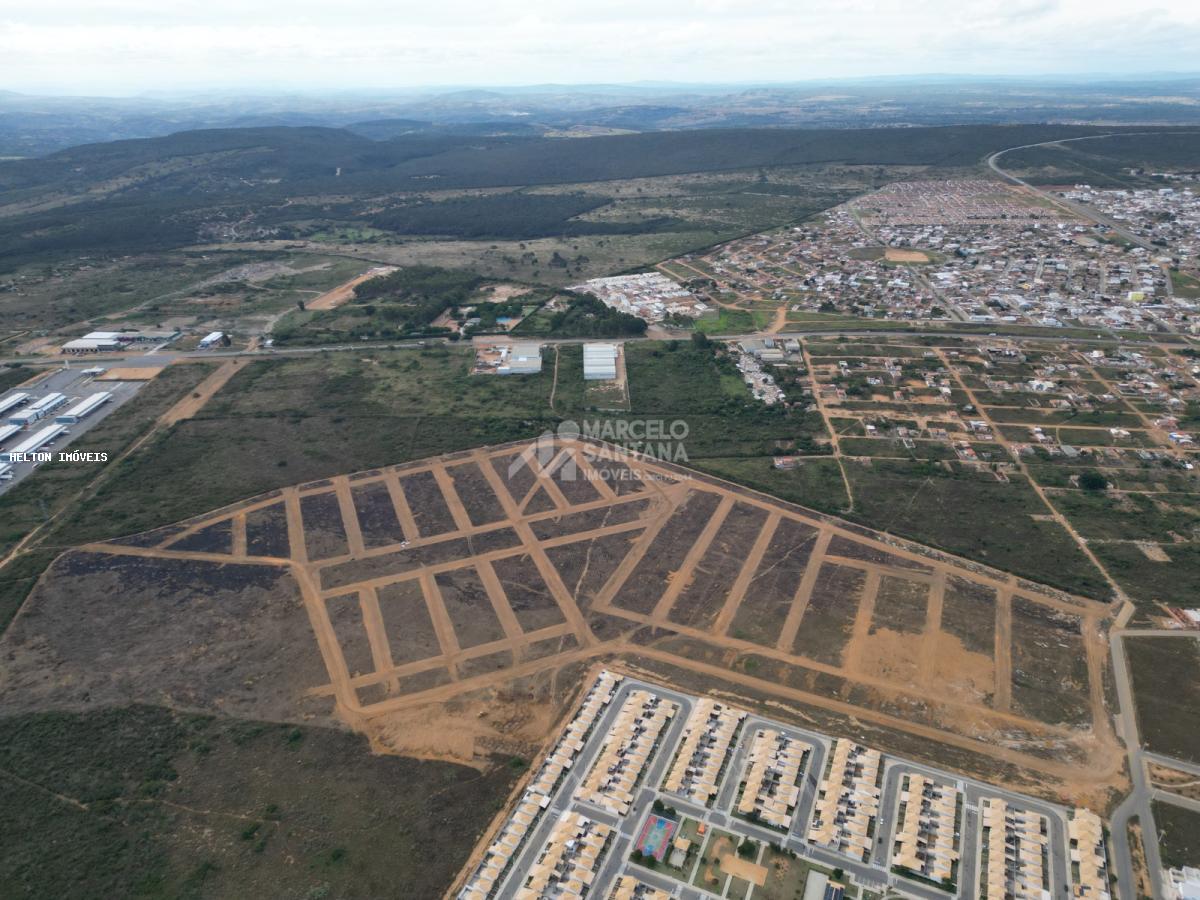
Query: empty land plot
[[637, 577], [621, 478], [530, 598], [216, 538], [376, 514], [407, 623], [539, 501], [772, 589], [829, 617], [969, 614], [964, 649], [888, 649], [1166, 689], [840, 546], [572, 480], [267, 531], [1050, 679], [324, 531], [702, 599], [586, 565], [478, 498], [900, 605], [644, 587], [469, 608], [1150, 582], [345, 615], [589, 519], [515, 474], [1179, 834], [428, 504]]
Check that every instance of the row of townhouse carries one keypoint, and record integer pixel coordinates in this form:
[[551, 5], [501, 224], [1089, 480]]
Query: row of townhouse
[[627, 749], [848, 800], [771, 789], [486, 878], [707, 739]]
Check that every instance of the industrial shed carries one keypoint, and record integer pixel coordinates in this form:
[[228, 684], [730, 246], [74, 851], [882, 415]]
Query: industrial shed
[[523, 358], [600, 362]]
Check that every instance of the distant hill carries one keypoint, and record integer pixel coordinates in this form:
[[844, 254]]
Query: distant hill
[[158, 193], [36, 126]]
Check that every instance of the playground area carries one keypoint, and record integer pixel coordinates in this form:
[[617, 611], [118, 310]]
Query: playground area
[[655, 837]]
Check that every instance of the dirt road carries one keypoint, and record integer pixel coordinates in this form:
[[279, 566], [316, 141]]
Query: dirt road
[[343, 292]]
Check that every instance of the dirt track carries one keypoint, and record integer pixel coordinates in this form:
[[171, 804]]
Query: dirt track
[[535, 510], [343, 292]]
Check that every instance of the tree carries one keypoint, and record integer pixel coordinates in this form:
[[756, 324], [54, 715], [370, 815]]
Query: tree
[[1091, 480], [700, 340]]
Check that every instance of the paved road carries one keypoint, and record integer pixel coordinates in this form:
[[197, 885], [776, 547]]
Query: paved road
[[874, 874], [1138, 802], [1078, 209], [163, 357], [536, 840]]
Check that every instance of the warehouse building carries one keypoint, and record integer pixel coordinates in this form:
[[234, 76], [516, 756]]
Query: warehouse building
[[11, 402], [524, 358], [8, 432], [89, 345], [212, 339], [600, 362], [106, 341], [38, 409], [84, 408], [34, 442]]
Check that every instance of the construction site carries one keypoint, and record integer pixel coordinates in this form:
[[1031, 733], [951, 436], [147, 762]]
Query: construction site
[[408, 594]]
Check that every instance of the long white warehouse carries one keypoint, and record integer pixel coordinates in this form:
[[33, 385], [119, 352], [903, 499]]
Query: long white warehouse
[[7, 432], [34, 442], [12, 402], [38, 409], [83, 408]]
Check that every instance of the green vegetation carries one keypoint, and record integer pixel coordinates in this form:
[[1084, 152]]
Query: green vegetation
[[1130, 516], [1150, 582], [11, 376], [1166, 687], [291, 420], [925, 502], [392, 306], [581, 315], [164, 193], [1103, 162], [1179, 834], [814, 483], [511, 216], [727, 321], [147, 802]]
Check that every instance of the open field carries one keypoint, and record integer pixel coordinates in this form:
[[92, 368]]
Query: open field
[[154, 802], [1166, 685], [568, 552], [1179, 834]]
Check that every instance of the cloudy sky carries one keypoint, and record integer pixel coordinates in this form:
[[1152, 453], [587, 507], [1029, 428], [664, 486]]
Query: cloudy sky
[[131, 46]]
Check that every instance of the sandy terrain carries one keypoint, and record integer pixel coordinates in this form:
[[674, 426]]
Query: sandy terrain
[[343, 292], [891, 254]]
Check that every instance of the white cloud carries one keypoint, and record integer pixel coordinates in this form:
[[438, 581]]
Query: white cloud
[[136, 45]]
